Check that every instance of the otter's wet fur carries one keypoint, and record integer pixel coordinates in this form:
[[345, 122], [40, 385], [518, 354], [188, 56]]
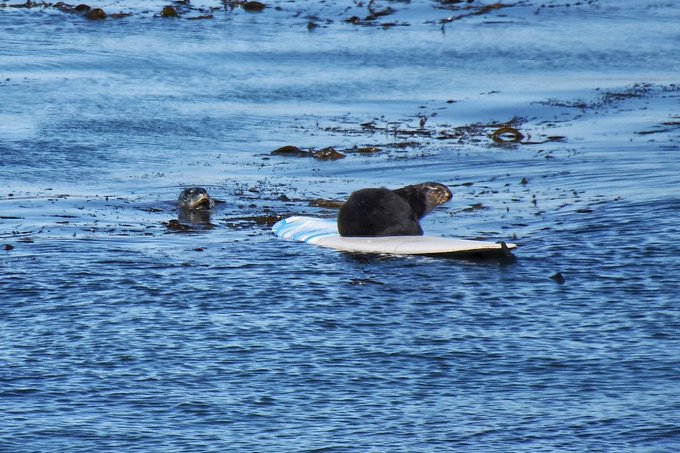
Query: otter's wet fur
[[376, 212]]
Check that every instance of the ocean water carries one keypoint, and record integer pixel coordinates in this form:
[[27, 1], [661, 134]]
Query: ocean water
[[119, 332]]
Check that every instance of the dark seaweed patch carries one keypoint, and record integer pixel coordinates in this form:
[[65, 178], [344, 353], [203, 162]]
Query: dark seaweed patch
[[405, 135], [557, 278], [328, 153], [665, 126], [507, 134], [169, 11], [321, 203], [247, 221], [471, 10], [252, 6], [291, 151], [604, 98], [95, 14]]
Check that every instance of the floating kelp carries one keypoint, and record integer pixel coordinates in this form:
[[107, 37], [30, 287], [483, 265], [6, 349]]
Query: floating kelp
[[321, 203], [474, 207], [95, 14], [175, 10], [507, 134], [354, 20], [567, 4], [253, 6], [369, 13], [375, 14], [176, 225], [246, 222], [364, 149], [476, 131], [85, 11], [605, 98], [419, 131], [29, 4], [666, 126], [250, 6], [328, 153], [291, 151], [473, 10], [206, 16], [169, 11]]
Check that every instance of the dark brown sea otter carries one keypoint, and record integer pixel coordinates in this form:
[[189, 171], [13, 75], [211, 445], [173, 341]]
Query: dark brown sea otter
[[383, 212]]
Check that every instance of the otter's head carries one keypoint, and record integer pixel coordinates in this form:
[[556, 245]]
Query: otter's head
[[424, 197], [435, 194], [195, 198]]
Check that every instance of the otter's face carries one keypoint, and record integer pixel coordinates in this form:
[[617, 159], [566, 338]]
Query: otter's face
[[424, 197], [195, 198], [435, 194]]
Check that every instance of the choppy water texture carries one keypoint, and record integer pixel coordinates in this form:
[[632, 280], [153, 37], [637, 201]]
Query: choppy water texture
[[120, 331]]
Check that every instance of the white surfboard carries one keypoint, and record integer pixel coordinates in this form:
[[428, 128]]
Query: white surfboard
[[324, 233]]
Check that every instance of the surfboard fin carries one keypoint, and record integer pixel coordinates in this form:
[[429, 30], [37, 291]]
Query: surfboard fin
[[504, 248]]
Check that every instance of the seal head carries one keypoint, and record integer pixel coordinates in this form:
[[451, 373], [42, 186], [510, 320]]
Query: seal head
[[378, 212], [195, 198]]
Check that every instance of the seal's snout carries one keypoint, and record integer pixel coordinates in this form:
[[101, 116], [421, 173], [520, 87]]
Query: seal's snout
[[195, 198], [202, 201]]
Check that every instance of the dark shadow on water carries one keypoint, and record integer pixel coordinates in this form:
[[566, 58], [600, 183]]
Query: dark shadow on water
[[195, 217], [472, 257], [478, 257], [190, 221]]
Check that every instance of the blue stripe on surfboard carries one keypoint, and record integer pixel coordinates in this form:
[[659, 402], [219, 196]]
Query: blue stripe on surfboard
[[304, 229]]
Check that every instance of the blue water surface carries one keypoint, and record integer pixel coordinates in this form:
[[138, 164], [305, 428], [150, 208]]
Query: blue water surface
[[119, 332]]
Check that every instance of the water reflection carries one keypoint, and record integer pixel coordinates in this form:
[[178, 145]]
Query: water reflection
[[196, 218]]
